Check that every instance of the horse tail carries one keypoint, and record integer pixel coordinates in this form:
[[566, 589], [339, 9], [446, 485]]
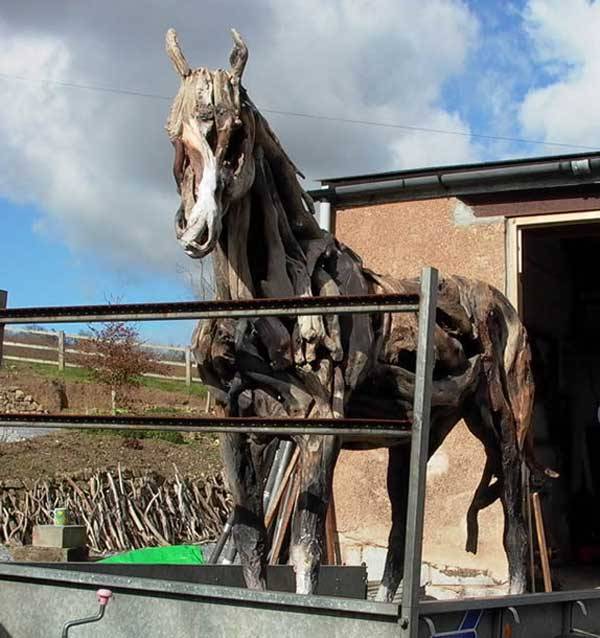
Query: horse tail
[[520, 388]]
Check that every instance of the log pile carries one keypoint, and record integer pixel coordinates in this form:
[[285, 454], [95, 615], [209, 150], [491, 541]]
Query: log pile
[[119, 511]]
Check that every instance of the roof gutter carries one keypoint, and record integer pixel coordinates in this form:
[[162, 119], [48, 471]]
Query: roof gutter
[[448, 183]]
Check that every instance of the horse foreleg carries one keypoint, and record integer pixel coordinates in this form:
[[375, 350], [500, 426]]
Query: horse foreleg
[[397, 484], [318, 455], [243, 470]]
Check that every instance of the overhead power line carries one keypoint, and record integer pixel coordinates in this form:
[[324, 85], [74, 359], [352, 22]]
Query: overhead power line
[[312, 116]]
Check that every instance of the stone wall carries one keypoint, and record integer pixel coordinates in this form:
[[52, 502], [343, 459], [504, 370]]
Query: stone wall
[[13, 400]]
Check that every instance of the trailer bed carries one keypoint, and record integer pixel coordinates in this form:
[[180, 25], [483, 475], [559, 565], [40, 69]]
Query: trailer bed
[[36, 601]]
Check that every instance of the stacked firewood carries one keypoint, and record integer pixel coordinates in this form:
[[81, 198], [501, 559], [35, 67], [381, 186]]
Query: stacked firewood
[[120, 511]]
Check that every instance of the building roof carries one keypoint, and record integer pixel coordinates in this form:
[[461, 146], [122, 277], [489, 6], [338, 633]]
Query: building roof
[[462, 179]]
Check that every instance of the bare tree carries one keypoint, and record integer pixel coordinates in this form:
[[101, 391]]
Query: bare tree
[[115, 358]]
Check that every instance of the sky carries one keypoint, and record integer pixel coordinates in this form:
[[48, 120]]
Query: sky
[[87, 200]]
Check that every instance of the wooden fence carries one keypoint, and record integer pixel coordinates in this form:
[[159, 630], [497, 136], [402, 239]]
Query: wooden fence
[[21, 345]]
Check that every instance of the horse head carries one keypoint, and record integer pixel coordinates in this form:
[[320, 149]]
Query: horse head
[[211, 126]]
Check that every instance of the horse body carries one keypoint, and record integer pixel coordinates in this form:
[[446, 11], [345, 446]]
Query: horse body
[[242, 202]]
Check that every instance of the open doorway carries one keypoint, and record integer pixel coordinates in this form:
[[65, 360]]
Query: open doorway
[[560, 306]]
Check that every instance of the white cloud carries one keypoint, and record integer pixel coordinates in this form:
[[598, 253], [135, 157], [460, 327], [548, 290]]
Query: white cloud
[[414, 150], [61, 150], [565, 37], [97, 165], [383, 61]]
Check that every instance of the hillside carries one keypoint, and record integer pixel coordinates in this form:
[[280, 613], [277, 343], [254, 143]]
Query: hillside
[[73, 452]]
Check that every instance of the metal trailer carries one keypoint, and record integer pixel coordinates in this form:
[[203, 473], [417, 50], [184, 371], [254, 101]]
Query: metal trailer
[[37, 600]]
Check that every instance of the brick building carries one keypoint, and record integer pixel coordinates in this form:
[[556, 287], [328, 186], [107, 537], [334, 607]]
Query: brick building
[[532, 229]]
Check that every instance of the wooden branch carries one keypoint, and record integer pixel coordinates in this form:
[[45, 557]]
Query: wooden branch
[[285, 516], [238, 57], [357, 330], [243, 174], [296, 203], [326, 287], [221, 269], [240, 278], [338, 400], [277, 283], [226, 116], [295, 399], [330, 533], [201, 349], [541, 537], [276, 339], [267, 406], [291, 468], [222, 351], [175, 54], [119, 510]]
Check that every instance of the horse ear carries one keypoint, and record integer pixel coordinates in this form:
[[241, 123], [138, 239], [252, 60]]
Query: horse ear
[[239, 56], [175, 54]]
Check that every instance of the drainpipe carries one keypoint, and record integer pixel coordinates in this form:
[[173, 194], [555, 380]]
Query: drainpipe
[[103, 596], [325, 215]]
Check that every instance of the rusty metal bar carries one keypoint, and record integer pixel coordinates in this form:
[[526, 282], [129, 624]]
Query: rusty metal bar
[[419, 454], [293, 306], [385, 428]]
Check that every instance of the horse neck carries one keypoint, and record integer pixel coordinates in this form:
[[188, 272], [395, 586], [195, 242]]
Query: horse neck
[[233, 279], [271, 235]]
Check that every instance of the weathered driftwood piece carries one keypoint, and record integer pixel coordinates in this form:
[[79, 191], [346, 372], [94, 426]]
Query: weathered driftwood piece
[[241, 202], [285, 514], [331, 535], [274, 504]]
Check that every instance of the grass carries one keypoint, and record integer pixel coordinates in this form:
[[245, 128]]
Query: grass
[[163, 410], [170, 437], [84, 375], [170, 385], [51, 371]]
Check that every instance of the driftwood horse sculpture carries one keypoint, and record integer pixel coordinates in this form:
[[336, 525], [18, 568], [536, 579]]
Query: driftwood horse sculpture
[[242, 202]]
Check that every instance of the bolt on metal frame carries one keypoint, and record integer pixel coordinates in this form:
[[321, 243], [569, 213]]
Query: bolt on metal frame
[[425, 305]]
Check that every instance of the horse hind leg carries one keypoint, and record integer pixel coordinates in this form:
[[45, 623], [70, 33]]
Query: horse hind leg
[[498, 433], [485, 494], [515, 530]]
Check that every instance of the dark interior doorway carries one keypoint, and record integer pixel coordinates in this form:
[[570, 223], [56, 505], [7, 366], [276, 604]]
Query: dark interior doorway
[[560, 297]]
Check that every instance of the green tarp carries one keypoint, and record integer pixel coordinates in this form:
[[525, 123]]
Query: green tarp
[[170, 555]]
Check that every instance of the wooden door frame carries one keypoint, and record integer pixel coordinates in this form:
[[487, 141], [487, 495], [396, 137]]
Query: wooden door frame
[[513, 245]]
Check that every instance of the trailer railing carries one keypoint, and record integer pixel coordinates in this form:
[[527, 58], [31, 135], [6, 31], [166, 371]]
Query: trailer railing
[[417, 430]]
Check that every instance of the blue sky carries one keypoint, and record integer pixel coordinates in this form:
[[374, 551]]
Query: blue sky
[[86, 196], [41, 271]]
